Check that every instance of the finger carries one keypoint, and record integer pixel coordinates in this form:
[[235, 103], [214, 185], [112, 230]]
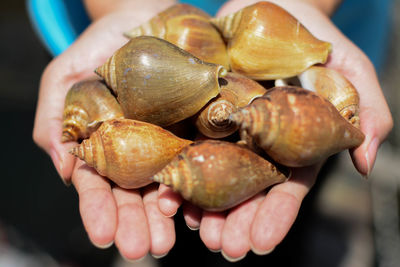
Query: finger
[[236, 232], [168, 200], [375, 118], [162, 231], [96, 204], [48, 120], [132, 237], [192, 215], [211, 226], [75, 64], [277, 212]]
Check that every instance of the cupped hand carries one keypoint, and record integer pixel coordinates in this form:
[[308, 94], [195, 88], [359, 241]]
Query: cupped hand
[[131, 218], [262, 222]]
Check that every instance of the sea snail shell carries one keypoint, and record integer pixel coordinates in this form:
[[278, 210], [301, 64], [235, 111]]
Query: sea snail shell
[[157, 82], [335, 88], [296, 127], [129, 152], [331, 85], [236, 91], [190, 29], [217, 175], [265, 42], [88, 103]]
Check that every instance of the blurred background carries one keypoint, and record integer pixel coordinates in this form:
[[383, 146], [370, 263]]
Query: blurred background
[[345, 221]]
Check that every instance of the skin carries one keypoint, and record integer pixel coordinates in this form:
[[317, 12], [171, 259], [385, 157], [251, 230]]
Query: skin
[[131, 218], [261, 223]]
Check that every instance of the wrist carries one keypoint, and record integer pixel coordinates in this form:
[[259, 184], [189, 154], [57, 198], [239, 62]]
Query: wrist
[[100, 8]]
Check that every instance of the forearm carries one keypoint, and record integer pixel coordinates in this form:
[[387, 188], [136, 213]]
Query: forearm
[[99, 8]]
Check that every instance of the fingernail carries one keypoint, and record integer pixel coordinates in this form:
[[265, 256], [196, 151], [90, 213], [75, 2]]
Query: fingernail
[[132, 260], [261, 252], [103, 246], [230, 259], [159, 256], [214, 250], [58, 164], [193, 228], [370, 155]]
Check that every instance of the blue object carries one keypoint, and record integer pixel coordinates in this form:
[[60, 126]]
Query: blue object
[[57, 22], [365, 22]]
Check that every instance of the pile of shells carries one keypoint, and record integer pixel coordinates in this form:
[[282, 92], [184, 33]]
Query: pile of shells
[[179, 104]]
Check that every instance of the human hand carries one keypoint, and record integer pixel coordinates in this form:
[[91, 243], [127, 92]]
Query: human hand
[[131, 218], [262, 222]]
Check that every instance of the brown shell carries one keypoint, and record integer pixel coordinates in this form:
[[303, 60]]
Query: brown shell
[[157, 82], [335, 88], [265, 42], [190, 29], [236, 91], [216, 175], [129, 152], [156, 26], [87, 104], [296, 127]]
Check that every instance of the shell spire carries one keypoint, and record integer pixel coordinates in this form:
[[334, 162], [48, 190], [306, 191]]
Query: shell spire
[[265, 42], [152, 77], [129, 152], [216, 175], [237, 91], [108, 73], [296, 127], [87, 104], [228, 25]]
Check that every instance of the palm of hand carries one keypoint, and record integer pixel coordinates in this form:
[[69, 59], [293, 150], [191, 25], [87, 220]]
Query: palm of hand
[[109, 213], [263, 221], [134, 220]]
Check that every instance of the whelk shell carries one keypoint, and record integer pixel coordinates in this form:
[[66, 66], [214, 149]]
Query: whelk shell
[[217, 175]]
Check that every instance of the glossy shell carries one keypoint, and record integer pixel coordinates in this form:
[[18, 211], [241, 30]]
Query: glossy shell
[[188, 28], [216, 175], [296, 127], [157, 82], [236, 91], [129, 152], [265, 42], [87, 104], [335, 88]]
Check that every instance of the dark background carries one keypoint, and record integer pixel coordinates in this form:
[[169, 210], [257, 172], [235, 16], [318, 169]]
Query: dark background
[[345, 221]]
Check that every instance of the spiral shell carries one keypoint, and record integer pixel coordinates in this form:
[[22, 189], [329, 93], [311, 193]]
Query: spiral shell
[[88, 103], [156, 26], [265, 42], [236, 91], [216, 175], [157, 82], [335, 88], [129, 152], [296, 127], [190, 29]]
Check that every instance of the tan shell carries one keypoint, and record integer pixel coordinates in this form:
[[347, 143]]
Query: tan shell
[[156, 26], [87, 104], [265, 42], [129, 152], [216, 175], [335, 88], [296, 127], [190, 29], [236, 91], [157, 82]]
